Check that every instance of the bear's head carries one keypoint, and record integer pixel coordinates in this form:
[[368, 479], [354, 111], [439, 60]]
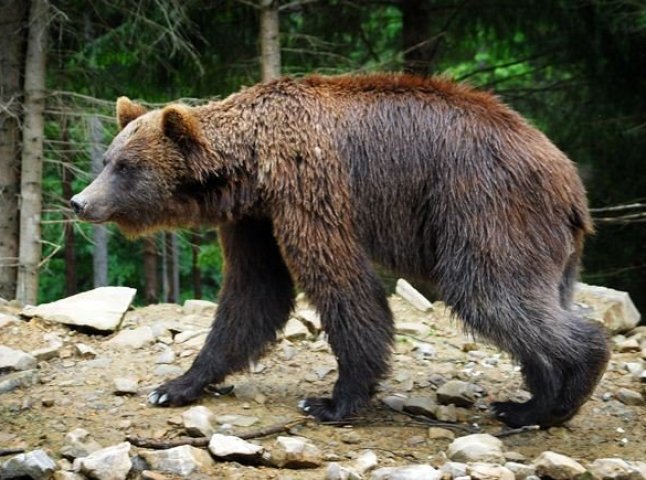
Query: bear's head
[[159, 172]]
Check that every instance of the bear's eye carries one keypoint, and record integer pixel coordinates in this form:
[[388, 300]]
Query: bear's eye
[[121, 166]]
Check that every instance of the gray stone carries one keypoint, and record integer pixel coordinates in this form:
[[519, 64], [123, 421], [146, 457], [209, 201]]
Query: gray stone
[[166, 357], [15, 380], [63, 475], [614, 469], [168, 371], [613, 308], [446, 413], [520, 470], [488, 471], [228, 447], [395, 402], [557, 466], [184, 460], [79, 443], [406, 291], [102, 308], [199, 421], [630, 397], [479, 447], [111, 463], [133, 338], [11, 359], [46, 353], [236, 420], [199, 307], [409, 472], [295, 452], [35, 464], [425, 406], [459, 393], [436, 433], [418, 329], [246, 391], [454, 469], [85, 351], [126, 385]]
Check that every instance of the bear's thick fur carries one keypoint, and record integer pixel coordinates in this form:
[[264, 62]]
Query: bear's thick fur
[[309, 179]]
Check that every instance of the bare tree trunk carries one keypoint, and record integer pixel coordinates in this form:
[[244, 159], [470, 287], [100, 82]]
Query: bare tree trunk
[[196, 241], [99, 232], [70, 240], [269, 39], [151, 292], [418, 47], [12, 42], [171, 268], [30, 250]]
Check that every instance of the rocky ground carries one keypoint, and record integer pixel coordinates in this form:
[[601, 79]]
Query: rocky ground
[[69, 379]]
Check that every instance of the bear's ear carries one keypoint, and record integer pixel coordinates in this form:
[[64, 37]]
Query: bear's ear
[[127, 111], [181, 126]]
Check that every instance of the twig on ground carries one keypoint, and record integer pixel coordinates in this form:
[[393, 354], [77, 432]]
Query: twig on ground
[[201, 442], [10, 451], [515, 431]]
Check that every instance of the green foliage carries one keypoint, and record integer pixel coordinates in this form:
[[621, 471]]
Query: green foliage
[[575, 69]]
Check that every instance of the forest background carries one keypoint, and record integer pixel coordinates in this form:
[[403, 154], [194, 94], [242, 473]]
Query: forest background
[[576, 69]]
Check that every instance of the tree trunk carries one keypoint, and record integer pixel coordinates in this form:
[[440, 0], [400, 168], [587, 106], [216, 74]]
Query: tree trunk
[[170, 268], [151, 292], [99, 232], [12, 43], [196, 238], [30, 250], [417, 45], [269, 40], [70, 241]]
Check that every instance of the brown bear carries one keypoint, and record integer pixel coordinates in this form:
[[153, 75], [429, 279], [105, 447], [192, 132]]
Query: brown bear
[[310, 179]]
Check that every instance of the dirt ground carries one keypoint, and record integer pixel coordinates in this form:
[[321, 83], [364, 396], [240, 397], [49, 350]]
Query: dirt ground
[[73, 391]]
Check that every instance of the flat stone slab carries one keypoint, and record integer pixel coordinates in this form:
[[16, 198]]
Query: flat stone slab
[[102, 308]]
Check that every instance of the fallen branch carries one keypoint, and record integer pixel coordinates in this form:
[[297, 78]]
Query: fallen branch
[[10, 451], [202, 442], [515, 431]]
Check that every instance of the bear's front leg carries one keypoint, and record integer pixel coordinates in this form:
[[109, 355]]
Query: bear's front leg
[[256, 299]]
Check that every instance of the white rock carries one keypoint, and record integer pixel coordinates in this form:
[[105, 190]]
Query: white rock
[[334, 471], [11, 359], [557, 466], [187, 335], [102, 308], [126, 385], [613, 308], [199, 307], [295, 330], [111, 463], [367, 460], [199, 421], [409, 472], [184, 460], [488, 471], [133, 338], [46, 353], [36, 465], [63, 475], [229, 447], [295, 452], [479, 447], [236, 420], [614, 469], [418, 329], [520, 470], [412, 296], [85, 351], [8, 320], [79, 443], [310, 318]]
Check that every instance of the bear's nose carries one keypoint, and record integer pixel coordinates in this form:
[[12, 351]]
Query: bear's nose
[[78, 204]]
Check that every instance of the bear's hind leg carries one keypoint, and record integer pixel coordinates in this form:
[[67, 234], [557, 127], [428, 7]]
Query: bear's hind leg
[[256, 299]]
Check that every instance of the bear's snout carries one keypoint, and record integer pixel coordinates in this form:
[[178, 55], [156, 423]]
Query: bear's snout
[[78, 204]]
